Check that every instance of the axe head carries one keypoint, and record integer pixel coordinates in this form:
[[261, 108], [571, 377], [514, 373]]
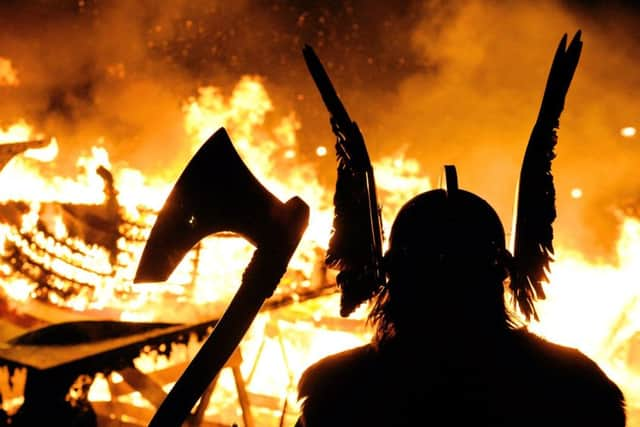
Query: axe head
[[216, 192]]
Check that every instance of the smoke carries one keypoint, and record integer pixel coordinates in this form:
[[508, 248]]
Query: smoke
[[447, 82], [115, 73], [476, 103], [120, 71]]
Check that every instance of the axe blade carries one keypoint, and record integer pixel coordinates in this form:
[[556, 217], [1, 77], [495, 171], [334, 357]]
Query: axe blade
[[259, 281], [216, 192]]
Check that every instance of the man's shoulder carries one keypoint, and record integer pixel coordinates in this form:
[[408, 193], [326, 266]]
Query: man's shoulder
[[339, 368], [557, 356], [564, 372]]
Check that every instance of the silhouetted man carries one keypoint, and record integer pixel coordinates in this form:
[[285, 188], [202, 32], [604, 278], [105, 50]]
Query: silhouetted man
[[446, 351]]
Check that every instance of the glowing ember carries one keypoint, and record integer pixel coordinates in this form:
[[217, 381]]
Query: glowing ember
[[576, 193], [628, 132]]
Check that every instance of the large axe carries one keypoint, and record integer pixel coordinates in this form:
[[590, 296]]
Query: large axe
[[216, 192]]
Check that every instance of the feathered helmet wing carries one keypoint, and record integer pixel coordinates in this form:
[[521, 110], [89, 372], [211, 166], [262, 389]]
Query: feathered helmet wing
[[532, 233], [355, 244]]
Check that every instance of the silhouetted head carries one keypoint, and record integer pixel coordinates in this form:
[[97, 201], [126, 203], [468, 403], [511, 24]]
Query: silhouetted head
[[446, 263]]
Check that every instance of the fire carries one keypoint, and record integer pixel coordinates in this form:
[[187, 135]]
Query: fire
[[19, 131], [591, 307], [8, 74], [271, 153], [597, 295], [595, 308], [399, 178]]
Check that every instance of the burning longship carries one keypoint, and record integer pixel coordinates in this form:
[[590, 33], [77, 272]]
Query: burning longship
[[74, 255], [82, 253]]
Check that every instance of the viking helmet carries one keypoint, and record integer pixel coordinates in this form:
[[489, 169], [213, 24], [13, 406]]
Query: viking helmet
[[446, 228], [446, 258]]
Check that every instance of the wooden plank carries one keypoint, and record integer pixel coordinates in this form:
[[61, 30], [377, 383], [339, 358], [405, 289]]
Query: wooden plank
[[243, 397], [120, 388], [93, 355], [170, 373], [8, 150], [197, 417], [9, 329], [259, 400], [112, 409], [50, 313], [148, 388]]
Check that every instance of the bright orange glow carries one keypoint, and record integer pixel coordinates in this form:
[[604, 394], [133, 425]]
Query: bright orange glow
[[19, 131], [628, 132], [44, 154], [591, 307], [8, 74], [595, 308], [576, 193]]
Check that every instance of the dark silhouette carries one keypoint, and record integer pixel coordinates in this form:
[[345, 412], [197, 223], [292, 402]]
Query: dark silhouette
[[216, 193], [446, 349]]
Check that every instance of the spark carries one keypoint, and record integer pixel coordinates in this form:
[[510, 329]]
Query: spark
[[576, 193], [321, 151], [628, 132]]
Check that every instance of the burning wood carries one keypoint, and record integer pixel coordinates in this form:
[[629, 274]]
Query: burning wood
[[9, 149]]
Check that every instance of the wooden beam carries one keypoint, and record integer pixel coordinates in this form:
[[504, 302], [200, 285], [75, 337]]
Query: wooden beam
[[148, 388]]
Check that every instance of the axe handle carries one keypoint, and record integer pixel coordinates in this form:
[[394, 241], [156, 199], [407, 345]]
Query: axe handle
[[259, 281], [210, 359]]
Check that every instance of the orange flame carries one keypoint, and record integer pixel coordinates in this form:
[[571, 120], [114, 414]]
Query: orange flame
[[591, 307], [8, 74]]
